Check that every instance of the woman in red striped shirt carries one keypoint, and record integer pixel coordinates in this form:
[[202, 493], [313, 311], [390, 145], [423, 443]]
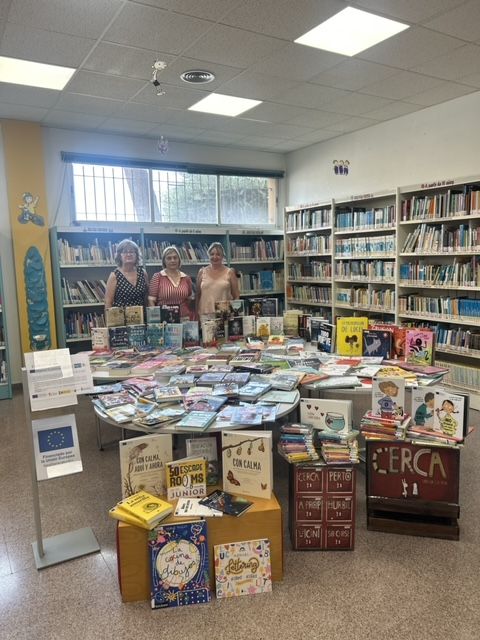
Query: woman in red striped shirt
[[172, 286]]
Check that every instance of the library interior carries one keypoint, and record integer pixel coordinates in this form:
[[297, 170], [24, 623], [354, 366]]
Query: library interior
[[239, 319]]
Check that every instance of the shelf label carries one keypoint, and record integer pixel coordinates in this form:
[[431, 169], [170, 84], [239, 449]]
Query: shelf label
[[437, 183], [193, 231], [363, 196]]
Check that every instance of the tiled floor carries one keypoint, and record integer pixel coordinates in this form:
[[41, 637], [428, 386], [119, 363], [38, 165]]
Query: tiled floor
[[391, 586]]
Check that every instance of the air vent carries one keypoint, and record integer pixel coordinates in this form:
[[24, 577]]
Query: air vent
[[197, 76]]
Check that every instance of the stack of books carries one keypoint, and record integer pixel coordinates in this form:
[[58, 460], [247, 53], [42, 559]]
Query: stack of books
[[296, 443], [141, 509], [340, 452], [374, 426]]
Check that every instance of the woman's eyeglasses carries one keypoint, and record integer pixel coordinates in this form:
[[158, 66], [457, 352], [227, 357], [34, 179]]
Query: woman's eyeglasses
[[128, 252]]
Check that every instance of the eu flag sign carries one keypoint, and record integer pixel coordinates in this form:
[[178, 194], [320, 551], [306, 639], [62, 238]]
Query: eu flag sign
[[55, 439]]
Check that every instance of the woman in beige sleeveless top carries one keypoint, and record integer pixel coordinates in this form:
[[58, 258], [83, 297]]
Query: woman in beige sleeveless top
[[216, 282]]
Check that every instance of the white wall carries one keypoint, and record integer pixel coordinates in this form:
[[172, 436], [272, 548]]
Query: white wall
[[438, 143]]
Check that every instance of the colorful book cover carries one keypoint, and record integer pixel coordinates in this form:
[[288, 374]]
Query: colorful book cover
[[146, 507], [170, 313], [263, 327], [220, 332], [142, 464], [349, 335], [333, 416], [178, 556], [276, 325], [209, 334], [419, 346], [423, 407], [134, 315], [155, 334], [228, 503], [191, 333], [451, 414], [99, 336], [235, 328], [206, 448], [154, 315], [197, 419], [167, 394], [242, 568], [377, 342], [186, 478], [247, 463], [208, 402], [115, 317], [173, 336], [388, 397], [247, 415], [249, 325]]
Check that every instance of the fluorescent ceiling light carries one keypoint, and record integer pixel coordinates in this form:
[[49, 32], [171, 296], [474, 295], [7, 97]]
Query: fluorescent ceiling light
[[351, 31], [34, 74], [224, 105]]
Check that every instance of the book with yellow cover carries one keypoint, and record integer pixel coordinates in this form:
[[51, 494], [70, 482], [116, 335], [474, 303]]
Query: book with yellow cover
[[123, 516], [349, 335], [115, 317], [134, 314], [147, 508], [186, 478]]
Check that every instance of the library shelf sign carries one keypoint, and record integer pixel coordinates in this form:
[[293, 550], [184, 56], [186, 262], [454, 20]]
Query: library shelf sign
[[55, 442]]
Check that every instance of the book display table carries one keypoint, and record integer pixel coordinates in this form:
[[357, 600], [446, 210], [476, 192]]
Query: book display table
[[262, 520]]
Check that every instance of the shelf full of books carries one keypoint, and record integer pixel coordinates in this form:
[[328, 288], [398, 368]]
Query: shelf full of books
[[5, 382]]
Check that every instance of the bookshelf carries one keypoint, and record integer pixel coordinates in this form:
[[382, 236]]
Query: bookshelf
[[5, 380], [83, 258]]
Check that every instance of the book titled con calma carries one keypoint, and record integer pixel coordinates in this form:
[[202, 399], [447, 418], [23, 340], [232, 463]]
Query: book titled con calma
[[247, 463]]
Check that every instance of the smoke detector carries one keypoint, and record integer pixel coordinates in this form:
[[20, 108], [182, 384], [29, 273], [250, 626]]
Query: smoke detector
[[197, 76]]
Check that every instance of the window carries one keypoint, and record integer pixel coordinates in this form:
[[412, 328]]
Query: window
[[148, 194]]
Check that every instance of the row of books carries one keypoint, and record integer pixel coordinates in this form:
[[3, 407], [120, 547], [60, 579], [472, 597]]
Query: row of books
[[263, 280], [453, 202], [366, 297], [462, 376], [442, 239], [461, 274], [94, 253], [311, 244], [457, 338], [309, 293], [258, 250], [361, 218], [441, 306], [189, 252], [366, 269], [308, 219], [321, 270], [364, 245], [79, 324], [83, 291]]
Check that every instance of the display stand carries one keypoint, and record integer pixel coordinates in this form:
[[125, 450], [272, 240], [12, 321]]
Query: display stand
[[63, 547]]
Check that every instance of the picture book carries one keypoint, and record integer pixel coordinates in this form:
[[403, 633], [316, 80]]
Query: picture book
[[228, 503], [109, 400], [186, 478], [154, 315], [208, 379], [377, 342], [330, 416], [247, 466], [134, 315], [197, 420], [419, 346], [247, 415], [142, 464], [263, 327], [205, 447], [227, 389], [285, 381], [239, 377], [388, 397], [122, 414], [182, 381], [167, 394], [191, 507], [349, 335], [423, 407], [146, 507], [451, 414], [173, 335], [191, 333], [179, 564], [208, 403], [235, 328], [253, 390], [170, 313], [242, 568]]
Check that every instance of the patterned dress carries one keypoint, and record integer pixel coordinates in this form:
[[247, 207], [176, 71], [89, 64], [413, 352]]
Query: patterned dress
[[127, 295], [166, 292]]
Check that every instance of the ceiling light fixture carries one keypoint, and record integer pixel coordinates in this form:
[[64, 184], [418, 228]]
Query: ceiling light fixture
[[34, 74], [157, 66], [197, 76], [351, 31], [223, 105]]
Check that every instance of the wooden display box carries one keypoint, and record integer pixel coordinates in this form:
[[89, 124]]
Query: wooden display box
[[413, 489], [262, 520], [322, 506]]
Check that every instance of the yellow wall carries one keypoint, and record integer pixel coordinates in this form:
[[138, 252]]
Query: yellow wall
[[24, 170]]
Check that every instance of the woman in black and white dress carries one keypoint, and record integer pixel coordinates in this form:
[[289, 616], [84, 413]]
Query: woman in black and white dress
[[128, 284]]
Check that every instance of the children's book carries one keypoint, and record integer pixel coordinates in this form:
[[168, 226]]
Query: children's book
[[120, 514], [186, 478], [263, 327], [191, 333], [147, 508], [197, 420], [377, 342], [247, 466], [228, 503], [110, 400], [419, 346], [388, 397], [191, 507], [170, 313], [242, 568], [179, 564], [205, 447], [329, 416], [451, 414], [349, 335], [142, 464], [423, 407], [173, 335]]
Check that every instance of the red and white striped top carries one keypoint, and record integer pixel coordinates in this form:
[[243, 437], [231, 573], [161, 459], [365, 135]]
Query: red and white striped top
[[165, 292]]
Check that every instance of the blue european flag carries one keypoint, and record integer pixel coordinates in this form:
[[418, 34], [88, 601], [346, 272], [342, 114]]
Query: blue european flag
[[55, 439]]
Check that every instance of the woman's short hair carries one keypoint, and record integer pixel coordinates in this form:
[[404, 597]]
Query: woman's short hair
[[169, 250], [216, 245], [127, 245]]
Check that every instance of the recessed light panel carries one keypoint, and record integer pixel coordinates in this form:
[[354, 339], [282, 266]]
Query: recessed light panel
[[351, 31], [34, 74], [223, 105]]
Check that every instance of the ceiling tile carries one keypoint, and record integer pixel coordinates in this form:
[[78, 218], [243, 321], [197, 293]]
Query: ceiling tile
[[87, 104], [282, 18], [87, 18], [259, 142], [147, 113], [441, 93], [72, 120], [392, 110], [175, 97], [208, 9], [219, 137], [28, 96], [312, 95], [176, 133], [103, 86], [197, 120], [401, 85], [410, 48], [408, 10], [119, 60], [285, 130], [472, 79], [317, 136], [454, 65], [43, 46], [317, 119], [357, 104], [258, 86], [289, 145], [160, 30], [21, 112], [274, 112], [297, 62], [232, 47], [461, 22], [353, 74], [172, 73], [124, 125], [352, 124]]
